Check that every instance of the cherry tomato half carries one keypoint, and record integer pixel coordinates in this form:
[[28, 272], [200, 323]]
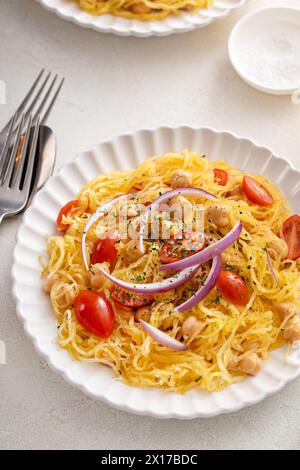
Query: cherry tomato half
[[256, 192], [69, 208], [233, 287], [173, 250], [130, 299], [104, 250], [95, 313], [290, 232], [221, 176]]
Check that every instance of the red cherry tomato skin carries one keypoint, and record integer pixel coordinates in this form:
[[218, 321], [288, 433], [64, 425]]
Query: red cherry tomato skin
[[256, 192], [130, 299], [174, 250], [166, 252], [233, 288], [95, 313], [290, 232], [221, 176], [71, 206], [104, 250]]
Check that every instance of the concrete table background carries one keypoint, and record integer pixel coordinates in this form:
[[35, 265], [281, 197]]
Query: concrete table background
[[116, 85]]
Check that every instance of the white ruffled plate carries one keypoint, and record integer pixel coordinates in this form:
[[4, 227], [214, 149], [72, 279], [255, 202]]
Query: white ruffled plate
[[33, 306], [69, 10]]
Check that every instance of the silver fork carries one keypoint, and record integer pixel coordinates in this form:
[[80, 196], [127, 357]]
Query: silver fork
[[16, 173], [38, 104]]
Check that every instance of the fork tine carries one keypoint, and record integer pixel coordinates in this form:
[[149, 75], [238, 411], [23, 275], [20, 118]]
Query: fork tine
[[31, 159], [32, 98], [22, 105], [39, 110], [35, 99], [4, 158], [20, 169], [8, 175], [52, 102]]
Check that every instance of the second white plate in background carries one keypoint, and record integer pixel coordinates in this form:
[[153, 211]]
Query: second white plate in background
[[69, 10]]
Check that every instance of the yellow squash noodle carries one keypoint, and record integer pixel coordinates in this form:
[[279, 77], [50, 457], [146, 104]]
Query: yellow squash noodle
[[132, 354], [143, 10]]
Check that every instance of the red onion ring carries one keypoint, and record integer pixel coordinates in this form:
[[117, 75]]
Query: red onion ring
[[151, 288], [204, 290], [272, 269], [154, 287], [168, 195], [162, 338], [100, 212], [206, 254]]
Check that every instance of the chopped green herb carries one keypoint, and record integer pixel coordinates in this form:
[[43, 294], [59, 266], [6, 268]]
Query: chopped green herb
[[217, 300]]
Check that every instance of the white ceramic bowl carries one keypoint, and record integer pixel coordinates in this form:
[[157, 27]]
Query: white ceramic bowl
[[69, 10], [250, 35], [33, 305]]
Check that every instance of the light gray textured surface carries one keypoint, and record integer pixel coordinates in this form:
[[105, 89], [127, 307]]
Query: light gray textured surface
[[116, 85]]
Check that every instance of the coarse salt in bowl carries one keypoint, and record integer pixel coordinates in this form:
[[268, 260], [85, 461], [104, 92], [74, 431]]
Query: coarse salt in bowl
[[264, 49]]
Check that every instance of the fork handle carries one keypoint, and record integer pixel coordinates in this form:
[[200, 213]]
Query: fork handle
[[2, 215]]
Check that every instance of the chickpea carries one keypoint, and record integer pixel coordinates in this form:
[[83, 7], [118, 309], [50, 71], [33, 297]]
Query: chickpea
[[95, 275], [233, 361], [133, 210], [278, 248], [292, 329], [140, 8], [286, 309], [192, 326], [181, 179], [250, 364], [235, 191], [143, 313], [133, 252], [49, 281], [218, 215]]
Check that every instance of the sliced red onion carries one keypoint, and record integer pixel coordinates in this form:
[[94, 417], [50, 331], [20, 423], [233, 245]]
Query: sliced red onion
[[154, 287], [162, 338], [169, 195], [204, 290], [100, 212], [206, 254], [272, 269]]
